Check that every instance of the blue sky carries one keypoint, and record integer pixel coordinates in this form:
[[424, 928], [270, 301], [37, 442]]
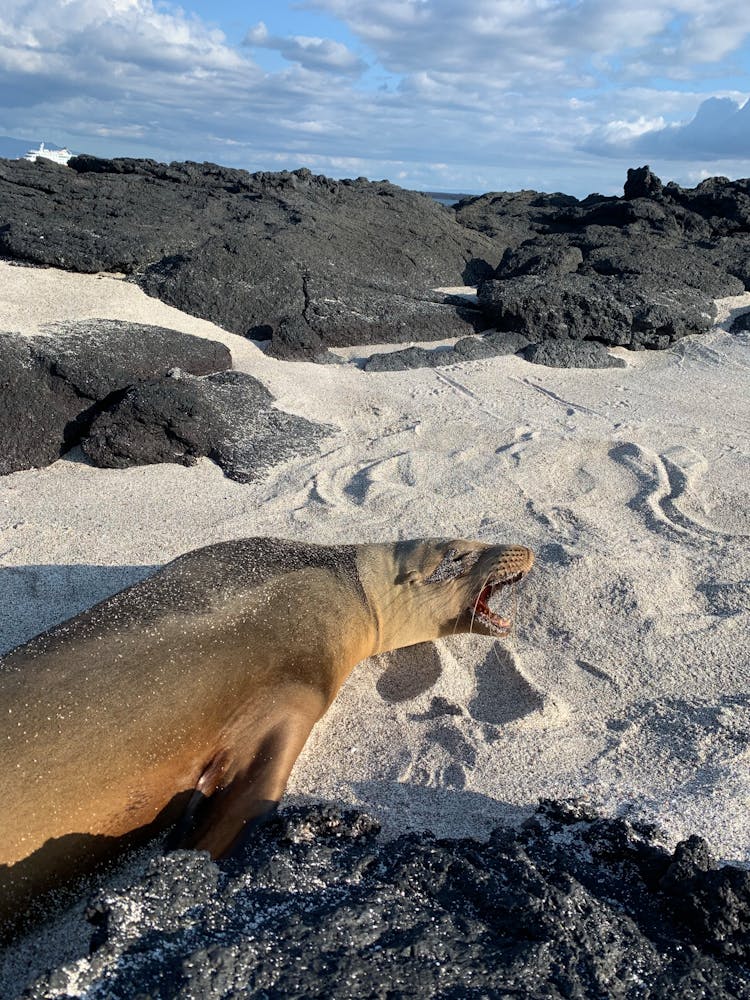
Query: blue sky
[[433, 94]]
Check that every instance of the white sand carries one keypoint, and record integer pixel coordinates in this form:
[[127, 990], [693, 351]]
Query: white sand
[[628, 679]]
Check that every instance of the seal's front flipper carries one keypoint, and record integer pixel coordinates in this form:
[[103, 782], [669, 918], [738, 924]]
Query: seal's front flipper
[[232, 800]]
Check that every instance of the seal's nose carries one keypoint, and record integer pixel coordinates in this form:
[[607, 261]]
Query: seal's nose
[[515, 559]]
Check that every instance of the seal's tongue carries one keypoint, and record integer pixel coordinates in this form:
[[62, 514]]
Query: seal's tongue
[[484, 613]]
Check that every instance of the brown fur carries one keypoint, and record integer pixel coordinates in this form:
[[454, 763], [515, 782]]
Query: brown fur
[[192, 693]]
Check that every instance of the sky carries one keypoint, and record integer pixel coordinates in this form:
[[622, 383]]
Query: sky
[[442, 95]]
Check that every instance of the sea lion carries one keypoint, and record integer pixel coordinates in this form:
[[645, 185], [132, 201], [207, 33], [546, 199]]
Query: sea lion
[[187, 697]]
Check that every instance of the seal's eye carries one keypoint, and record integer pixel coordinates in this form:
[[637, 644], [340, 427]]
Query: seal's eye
[[452, 565]]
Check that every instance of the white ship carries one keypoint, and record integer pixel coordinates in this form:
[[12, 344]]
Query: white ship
[[56, 155]]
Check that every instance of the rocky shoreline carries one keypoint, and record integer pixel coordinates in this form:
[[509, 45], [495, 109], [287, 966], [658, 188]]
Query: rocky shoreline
[[628, 484], [570, 905], [306, 263], [303, 263]]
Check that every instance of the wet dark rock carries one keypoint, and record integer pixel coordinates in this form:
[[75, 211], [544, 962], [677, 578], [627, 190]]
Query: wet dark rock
[[570, 905], [227, 417], [53, 386]]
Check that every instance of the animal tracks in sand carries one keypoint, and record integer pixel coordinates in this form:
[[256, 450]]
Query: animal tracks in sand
[[669, 499], [559, 522], [516, 449], [688, 754], [448, 761], [502, 693], [698, 732], [726, 598], [472, 711], [570, 407], [388, 486], [388, 482]]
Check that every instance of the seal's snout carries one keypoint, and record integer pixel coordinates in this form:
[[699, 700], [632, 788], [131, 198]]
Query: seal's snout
[[510, 564], [514, 563]]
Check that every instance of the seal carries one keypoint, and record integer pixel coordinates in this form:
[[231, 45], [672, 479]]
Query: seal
[[185, 699]]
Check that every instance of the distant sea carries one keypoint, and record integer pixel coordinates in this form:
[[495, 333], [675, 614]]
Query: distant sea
[[447, 197]]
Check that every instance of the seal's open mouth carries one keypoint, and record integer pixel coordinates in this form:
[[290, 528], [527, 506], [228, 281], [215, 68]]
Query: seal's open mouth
[[481, 613]]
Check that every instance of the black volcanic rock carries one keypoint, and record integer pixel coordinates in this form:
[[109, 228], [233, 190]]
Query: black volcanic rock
[[491, 345], [662, 317], [585, 307], [642, 183], [52, 386], [357, 261], [570, 905], [641, 214], [571, 354], [732, 254], [724, 204], [131, 394], [659, 265], [101, 356], [740, 323], [509, 218], [227, 417], [305, 263], [37, 410], [661, 253], [295, 340], [546, 255], [567, 307]]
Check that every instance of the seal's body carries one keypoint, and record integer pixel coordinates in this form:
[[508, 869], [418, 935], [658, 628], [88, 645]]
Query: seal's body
[[187, 697]]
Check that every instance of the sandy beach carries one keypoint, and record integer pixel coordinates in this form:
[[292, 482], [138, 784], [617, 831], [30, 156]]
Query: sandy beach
[[626, 682]]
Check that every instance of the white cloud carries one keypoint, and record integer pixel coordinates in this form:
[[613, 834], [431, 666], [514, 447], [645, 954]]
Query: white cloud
[[127, 31], [312, 53], [513, 37], [316, 128], [626, 131], [490, 93], [719, 130]]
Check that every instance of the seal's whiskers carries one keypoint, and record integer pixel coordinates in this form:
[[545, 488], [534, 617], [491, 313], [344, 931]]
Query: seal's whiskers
[[476, 602]]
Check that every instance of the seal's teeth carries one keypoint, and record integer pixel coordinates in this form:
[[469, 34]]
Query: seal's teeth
[[494, 623]]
